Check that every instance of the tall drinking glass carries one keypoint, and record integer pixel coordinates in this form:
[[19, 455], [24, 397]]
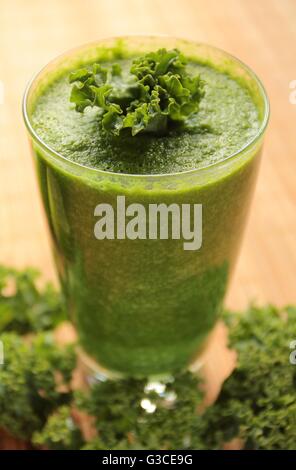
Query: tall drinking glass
[[145, 306]]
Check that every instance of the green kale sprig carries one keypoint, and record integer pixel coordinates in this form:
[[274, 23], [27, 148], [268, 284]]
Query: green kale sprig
[[25, 308], [34, 381], [257, 403], [158, 94], [60, 432]]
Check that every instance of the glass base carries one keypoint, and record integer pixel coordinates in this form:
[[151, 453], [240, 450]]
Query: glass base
[[94, 372], [151, 394]]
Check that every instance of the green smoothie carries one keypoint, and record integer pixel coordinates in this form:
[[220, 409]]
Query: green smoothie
[[145, 306]]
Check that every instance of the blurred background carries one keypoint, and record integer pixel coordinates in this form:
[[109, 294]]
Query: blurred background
[[262, 33]]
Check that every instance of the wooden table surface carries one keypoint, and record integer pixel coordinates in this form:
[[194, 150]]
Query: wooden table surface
[[260, 32]]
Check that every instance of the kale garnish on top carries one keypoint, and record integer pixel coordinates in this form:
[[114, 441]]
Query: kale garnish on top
[[157, 95]]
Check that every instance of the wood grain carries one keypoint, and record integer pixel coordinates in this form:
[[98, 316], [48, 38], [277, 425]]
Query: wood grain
[[261, 33]]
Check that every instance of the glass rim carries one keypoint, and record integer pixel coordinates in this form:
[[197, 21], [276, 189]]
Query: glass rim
[[242, 150]]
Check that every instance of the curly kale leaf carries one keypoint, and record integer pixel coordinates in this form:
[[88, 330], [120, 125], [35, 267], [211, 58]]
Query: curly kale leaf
[[34, 381], [60, 432], [25, 308], [157, 94], [257, 402]]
